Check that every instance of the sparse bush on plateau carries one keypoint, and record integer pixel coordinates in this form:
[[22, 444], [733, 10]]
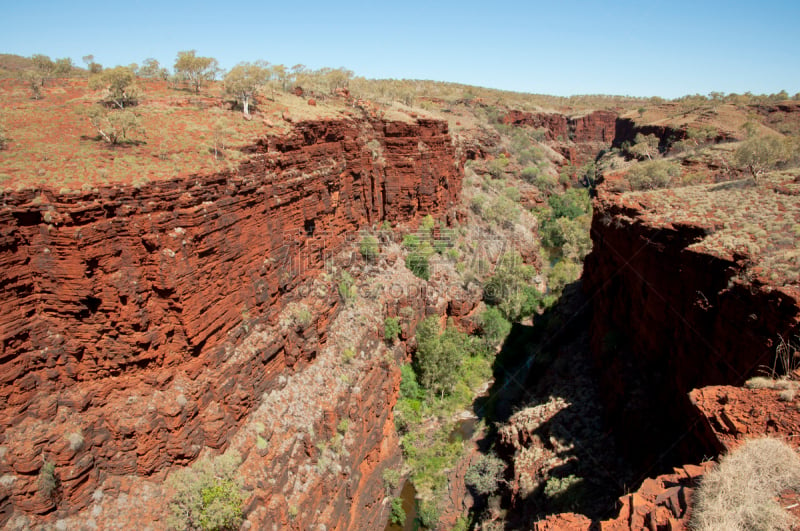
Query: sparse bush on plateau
[[761, 153], [207, 496], [653, 174], [740, 493]]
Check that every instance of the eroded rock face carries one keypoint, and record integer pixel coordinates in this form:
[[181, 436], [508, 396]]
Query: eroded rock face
[[122, 306], [664, 502], [732, 415], [668, 319], [577, 138]]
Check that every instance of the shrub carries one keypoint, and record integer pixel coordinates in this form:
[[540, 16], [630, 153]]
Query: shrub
[[48, 483], [347, 288], [546, 183], [348, 355], [740, 492], [427, 224], [418, 264], [653, 174], [368, 247], [428, 514], [3, 139], [501, 211], [207, 496], [477, 203], [564, 493], [531, 174], [571, 204], [411, 242], [497, 167], [761, 153], [398, 514], [391, 328], [485, 474], [391, 480], [563, 273], [512, 192]]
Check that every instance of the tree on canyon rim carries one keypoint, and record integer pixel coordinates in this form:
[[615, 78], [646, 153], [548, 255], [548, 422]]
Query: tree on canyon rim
[[194, 69], [244, 80]]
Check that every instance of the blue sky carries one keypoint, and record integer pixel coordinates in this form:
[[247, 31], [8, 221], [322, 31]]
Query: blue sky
[[562, 47]]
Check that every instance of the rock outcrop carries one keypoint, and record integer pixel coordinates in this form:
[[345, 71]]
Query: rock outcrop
[[669, 319], [122, 306], [578, 138]]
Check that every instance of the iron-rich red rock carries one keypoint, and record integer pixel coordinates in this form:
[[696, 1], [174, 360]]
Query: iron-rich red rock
[[113, 298]]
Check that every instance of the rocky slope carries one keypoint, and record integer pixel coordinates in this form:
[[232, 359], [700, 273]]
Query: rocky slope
[[125, 309]]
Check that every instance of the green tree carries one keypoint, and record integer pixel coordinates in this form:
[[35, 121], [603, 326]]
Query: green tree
[[391, 328], [152, 69], [510, 288], [113, 126], [196, 70], [438, 355], [119, 85], [644, 146], [34, 83], [398, 514], [91, 65], [244, 80], [418, 264], [759, 154], [494, 326], [45, 68], [485, 475]]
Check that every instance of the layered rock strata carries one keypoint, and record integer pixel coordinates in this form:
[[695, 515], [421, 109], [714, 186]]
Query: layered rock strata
[[122, 305]]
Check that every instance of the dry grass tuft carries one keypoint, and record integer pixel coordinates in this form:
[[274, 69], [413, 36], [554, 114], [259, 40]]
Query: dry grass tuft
[[739, 494]]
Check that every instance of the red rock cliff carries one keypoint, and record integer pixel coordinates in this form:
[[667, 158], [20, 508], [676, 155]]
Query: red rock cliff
[[668, 319], [579, 138], [120, 292]]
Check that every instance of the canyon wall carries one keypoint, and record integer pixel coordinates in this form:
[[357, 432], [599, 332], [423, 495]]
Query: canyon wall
[[578, 138], [666, 320], [122, 306]]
